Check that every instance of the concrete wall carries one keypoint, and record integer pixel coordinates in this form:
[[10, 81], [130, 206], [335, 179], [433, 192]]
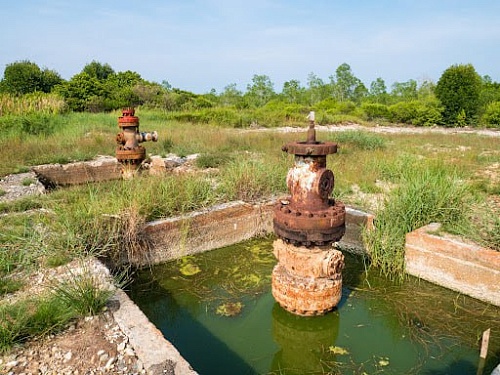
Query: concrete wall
[[217, 227], [104, 168], [449, 262], [226, 225]]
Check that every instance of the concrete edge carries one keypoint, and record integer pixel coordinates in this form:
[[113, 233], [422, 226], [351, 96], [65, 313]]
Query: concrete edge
[[451, 263], [157, 355]]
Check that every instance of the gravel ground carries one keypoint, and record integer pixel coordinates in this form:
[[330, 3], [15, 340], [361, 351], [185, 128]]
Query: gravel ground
[[91, 345], [94, 345]]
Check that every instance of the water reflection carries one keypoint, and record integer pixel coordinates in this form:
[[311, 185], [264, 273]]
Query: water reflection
[[302, 341]]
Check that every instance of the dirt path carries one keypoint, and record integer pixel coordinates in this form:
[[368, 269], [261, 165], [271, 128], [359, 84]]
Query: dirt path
[[385, 129]]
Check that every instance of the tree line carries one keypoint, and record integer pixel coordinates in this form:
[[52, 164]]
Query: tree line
[[460, 97]]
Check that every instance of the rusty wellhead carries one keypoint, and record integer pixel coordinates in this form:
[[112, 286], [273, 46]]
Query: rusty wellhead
[[307, 279], [310, 216], [128, 152]]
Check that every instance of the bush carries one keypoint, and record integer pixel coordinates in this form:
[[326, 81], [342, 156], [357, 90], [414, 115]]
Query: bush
[[492, 115], [83, 293], [416, 112], [214, 116], [403, 112], [346, 108], [212, 160], [459, 89], [374, 111], [31, 319]]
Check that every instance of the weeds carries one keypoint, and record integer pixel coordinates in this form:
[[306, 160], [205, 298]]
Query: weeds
[[251, 179], [27, 181], [428, 192], [30, 319], [212, 160], [360, 140], [83, 293], [491, 236]]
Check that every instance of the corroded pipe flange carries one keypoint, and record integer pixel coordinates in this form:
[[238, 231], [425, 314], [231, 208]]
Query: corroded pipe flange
[[309, 227], [310, 149]]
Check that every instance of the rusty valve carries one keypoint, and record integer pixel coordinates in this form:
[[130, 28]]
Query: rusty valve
[[129, 152], [309, 216]]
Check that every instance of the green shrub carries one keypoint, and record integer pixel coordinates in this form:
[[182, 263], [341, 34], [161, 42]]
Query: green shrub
[[167, 144], [403, 112], [83, 293], [37, 124], [215, 116], [416, 112], [346, 108], [325, 104], [373, 111], [491, 115]]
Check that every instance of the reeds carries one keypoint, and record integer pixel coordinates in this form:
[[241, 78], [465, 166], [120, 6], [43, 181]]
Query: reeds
[[36, 102]]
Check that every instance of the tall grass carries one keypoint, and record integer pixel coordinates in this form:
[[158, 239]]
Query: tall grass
[[252, 179], [359, 140], [428, 191], [36, 102]]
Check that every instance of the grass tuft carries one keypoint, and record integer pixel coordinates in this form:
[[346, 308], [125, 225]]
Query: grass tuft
[[428, 192], [83, 292]]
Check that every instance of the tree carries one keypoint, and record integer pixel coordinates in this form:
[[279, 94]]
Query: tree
[[21, 77], [360, 92], [80, 91], [292, 91], [378, 91], [490, 92], [404, 90], [49, 79], [426, 89], [317, 90], [231, 95], [260, 91], [97, 70], [459, 89], [344, 83]]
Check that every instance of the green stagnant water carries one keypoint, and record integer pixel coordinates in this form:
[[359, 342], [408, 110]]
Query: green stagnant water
[[217, 309]]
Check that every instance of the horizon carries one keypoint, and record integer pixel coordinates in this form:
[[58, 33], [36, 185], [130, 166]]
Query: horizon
[[202, 45]]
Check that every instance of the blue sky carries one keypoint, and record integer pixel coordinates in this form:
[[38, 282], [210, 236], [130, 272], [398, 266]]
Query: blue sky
[[199, 45]]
